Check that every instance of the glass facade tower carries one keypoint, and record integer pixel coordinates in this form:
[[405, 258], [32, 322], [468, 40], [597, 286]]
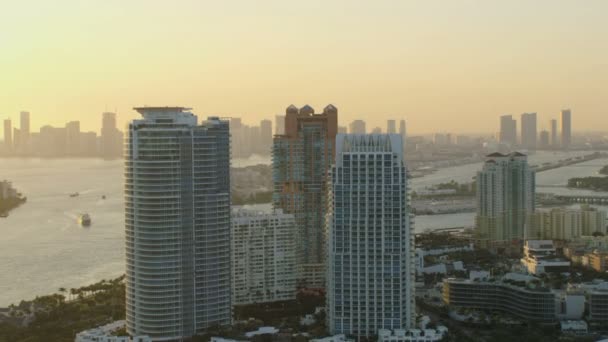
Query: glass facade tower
[[177, 200]]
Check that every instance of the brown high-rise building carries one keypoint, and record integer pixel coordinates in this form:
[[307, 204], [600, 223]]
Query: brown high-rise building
[[301, 158]]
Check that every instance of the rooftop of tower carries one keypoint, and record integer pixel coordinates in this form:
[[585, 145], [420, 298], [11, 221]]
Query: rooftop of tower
[[370, 142], [166, 109]]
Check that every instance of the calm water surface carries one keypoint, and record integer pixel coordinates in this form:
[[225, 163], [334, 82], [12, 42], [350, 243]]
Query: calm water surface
[[43, 248]]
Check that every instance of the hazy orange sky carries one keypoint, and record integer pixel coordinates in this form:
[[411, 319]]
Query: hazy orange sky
[[443, 65]]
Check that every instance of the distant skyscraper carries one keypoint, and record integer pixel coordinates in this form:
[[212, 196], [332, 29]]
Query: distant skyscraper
[[177, 200], [266, 137], [279, 123], [8, 136], [529, 133], [402, 130], [300, 161], [505, 199], [391, 127], [358, 127], [554, 141], [72, 131], [263, 257], [544, 139], [24, 129], [377, 130], [370, 245], [111, 138], [342, 130], [566, 121], [508, 130]]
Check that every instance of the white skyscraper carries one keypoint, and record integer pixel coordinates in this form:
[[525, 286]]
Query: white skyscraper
[[370, 281], [263, 256], [505, 199], [177, 219]]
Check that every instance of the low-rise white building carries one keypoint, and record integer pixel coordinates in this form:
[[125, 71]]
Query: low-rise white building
[[335, 338], [105, 334], [262, 331], [412, 335], [263, 256], [540, 257], [574, 327]]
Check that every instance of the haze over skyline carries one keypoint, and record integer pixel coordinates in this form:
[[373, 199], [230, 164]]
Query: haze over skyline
[[443, 66]]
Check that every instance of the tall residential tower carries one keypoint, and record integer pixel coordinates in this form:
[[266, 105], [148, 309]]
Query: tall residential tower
[[177, 219], [370, 278], [505, 199], [300, 161]]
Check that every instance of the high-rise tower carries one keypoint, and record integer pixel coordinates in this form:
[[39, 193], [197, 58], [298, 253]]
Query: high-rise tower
[[505, 199], [370, 281], [24, 131], [529, 132], [300, 161], [358, 127], [508, 130], [554, 142], [391, 127], [566, 123], [111, 139], [8, 136], [177, 200]]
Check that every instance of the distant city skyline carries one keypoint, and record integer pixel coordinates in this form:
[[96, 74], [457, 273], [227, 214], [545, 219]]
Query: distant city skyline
[[379, 61], [544, 122]]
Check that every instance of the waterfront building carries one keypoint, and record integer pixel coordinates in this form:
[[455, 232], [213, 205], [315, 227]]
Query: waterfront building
[[73, 138], [358, 127], [442, 139], [567, 224], [554, 142], [111, 137], [263, 257], [528, 131], [300, 162], [107, 333], [540, 257], [530, 302], [505, 199], [508, 131], [8, 136], [371, 275], [566, 126], [543, 141], [177, 223], [24, 132]]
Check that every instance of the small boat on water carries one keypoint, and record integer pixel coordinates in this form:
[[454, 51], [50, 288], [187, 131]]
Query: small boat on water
[[103, 197], [84, 220], [75, 194]]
